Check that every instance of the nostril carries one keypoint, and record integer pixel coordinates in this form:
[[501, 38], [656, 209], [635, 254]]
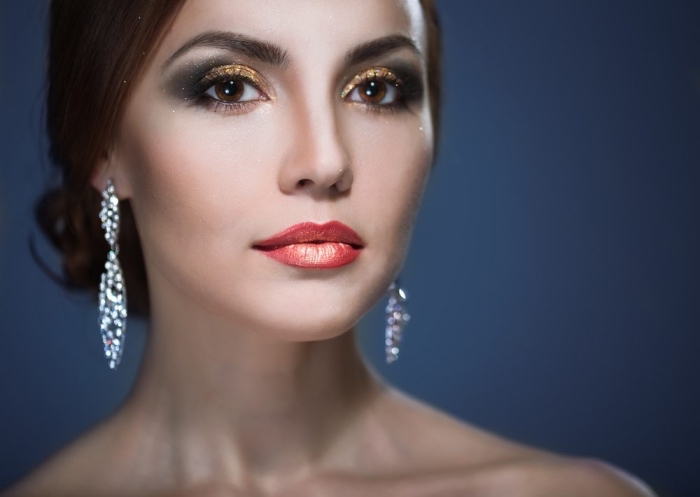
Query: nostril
[[304, 182]]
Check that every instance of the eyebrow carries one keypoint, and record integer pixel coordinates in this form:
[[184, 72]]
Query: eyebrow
[[380, 46], [277, 56], [243, 45]]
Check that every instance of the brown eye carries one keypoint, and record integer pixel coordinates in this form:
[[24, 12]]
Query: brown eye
[[375, 88], [234, 91], [373, 91], [229, 91]]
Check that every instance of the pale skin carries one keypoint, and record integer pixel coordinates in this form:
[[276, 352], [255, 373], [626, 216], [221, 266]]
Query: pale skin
[[251, 382]]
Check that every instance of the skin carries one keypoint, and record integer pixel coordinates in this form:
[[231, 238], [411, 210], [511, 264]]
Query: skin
[[251, 382]]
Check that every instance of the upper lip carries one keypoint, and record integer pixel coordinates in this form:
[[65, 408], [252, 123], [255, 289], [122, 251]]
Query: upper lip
[[333, 231]]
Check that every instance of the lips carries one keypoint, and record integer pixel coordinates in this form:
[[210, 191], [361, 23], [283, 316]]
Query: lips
[[311, 245]]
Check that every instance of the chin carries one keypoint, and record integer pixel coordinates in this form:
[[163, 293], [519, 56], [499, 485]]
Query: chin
[[309, 327], [301, 310]]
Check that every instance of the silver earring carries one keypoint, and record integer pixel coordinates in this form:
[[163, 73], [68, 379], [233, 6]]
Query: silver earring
[[396, 318], [112, 296]]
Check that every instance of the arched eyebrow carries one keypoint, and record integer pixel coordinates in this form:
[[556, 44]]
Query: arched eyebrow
[[275, 55], [381, 46], [249, 47]]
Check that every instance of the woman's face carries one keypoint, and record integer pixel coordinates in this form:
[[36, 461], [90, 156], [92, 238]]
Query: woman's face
[[258, 115]]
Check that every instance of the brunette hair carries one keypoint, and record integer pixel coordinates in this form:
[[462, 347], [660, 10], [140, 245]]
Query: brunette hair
[[97, 53]]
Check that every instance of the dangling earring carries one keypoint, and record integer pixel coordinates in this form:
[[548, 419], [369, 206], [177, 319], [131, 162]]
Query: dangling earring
[[396, 318], [112, 296]]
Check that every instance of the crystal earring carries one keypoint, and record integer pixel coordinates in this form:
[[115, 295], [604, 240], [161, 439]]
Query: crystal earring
[[396, 318], [112, 296]]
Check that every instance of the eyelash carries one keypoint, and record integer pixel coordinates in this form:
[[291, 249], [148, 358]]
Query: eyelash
[[408, 87], [222, 75], [385, 76]]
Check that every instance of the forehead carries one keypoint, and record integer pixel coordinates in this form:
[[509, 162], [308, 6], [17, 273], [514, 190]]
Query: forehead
[[305, 28]]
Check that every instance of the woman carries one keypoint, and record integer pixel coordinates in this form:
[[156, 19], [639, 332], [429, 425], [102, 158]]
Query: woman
[[267, 159]]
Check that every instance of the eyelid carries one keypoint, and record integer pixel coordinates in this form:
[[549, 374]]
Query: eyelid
[[235, 71], [381, 73]]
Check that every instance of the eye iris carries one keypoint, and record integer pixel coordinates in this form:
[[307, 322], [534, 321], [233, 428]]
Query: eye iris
[[373, 91], [229, 91]]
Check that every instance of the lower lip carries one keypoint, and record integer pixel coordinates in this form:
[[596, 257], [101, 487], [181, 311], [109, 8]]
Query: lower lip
[[314, 255]]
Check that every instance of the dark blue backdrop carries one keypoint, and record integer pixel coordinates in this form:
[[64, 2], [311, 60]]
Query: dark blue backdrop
[[563, 312]]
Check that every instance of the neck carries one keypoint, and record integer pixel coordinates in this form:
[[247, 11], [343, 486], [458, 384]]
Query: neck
[[213, 398]]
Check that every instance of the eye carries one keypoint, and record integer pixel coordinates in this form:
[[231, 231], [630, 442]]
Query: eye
[[230, 88], [379, 88], [231, 91], [374, 92]]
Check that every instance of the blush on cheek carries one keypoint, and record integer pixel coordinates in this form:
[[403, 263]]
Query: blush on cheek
[[392, 159], [195, 178], [193, 167]]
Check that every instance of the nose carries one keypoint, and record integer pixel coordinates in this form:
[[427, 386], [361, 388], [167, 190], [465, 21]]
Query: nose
[[317, 161]]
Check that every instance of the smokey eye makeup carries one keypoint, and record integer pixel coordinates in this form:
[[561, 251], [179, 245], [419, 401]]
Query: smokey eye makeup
[[384, 88], [218, 84], [228, 87]]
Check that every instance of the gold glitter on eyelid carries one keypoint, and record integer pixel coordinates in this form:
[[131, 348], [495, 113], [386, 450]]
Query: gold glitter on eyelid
[[381, 73], [236, 71]]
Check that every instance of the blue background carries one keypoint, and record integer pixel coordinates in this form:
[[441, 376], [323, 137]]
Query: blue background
[[554, 274]]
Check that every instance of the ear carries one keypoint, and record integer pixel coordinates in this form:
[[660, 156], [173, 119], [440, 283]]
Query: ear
[[109, 166]]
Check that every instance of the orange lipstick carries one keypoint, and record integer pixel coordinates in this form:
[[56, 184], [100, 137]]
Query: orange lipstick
[[314, 246]]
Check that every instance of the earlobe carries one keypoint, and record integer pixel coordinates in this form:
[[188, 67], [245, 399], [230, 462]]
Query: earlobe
[[109, 167]]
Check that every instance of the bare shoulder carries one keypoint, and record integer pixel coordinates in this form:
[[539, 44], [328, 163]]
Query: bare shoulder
[[66, 473], [556, 475], [469, 461], [47, 479]]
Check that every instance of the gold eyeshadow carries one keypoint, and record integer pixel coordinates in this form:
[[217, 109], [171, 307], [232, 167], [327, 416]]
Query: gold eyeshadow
[[192, 83], [376, 73], [231, 72]]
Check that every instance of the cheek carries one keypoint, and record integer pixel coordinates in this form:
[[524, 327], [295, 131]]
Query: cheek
[[392, 159], [195, 177]]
